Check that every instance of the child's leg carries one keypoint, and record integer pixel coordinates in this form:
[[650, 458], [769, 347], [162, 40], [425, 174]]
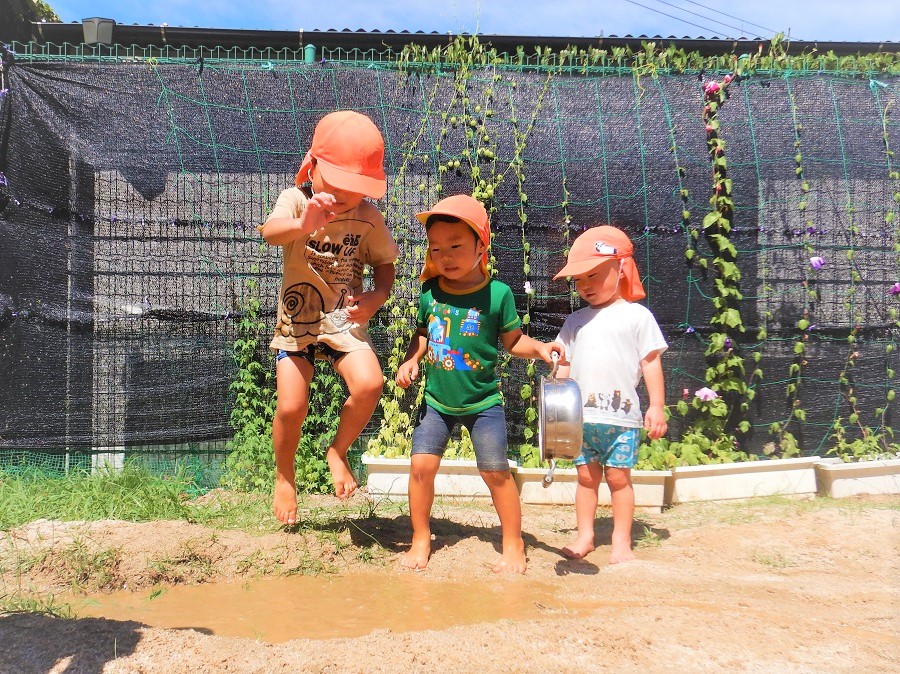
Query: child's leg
[[422, 470], [430, 435], [505, 496], [590, 475], [488, 432], [293, 374], [362, 373], [622, 497]]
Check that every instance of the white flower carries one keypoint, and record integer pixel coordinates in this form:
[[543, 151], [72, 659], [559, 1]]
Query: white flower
[[528, 289]]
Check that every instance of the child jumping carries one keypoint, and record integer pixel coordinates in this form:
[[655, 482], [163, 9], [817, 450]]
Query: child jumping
[[608, 346], [328, 233], [463, 312]]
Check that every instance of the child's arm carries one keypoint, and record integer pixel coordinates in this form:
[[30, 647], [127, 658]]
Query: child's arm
[[521, 345], [316, 214], [408, 371], [655, 418], [366, 304]]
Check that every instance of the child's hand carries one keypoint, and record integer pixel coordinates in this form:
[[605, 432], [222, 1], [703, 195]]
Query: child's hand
[[317, 212], [655, 422], [546, 351], [407, 373], [362, 307]]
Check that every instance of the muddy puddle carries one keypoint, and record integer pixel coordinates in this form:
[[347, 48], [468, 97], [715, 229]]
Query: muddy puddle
[[301, 607]]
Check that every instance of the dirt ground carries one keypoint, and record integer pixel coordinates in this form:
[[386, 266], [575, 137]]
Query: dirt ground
[[761, 586]]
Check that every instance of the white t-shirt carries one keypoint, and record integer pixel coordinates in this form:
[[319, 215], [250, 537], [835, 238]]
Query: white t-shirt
[[605, 348]]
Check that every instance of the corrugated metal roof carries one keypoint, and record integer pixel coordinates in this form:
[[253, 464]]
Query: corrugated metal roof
[[332, 38]]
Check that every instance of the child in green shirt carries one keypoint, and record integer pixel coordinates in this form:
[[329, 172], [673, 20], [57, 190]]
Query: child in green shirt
[[463, 313]]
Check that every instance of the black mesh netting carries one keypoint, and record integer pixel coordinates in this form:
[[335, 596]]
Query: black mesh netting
[[133, 190]]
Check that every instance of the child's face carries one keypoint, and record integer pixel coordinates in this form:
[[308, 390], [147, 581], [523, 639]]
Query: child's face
[[346, 201], [456, 252], [600, 286]]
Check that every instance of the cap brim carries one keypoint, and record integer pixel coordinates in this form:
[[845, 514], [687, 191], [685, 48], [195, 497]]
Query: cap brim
[[581, 267], [352, 182], [424, 215]]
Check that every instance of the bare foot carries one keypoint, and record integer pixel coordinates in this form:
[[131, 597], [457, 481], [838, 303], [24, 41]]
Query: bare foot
[[578, 549], [417, 556], [341, 475], [621, 552], [512, 559], [284, 504]]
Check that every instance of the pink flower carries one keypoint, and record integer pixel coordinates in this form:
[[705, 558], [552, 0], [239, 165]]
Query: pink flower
[[895, 289], [711, 88], [727, 79], [706, 394], [817, 262]]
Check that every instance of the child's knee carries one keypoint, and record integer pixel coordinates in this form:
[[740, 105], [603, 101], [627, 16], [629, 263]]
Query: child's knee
[[288, 411], [496, 479], [589, 481], [423, 472], [618, 478], [368, 387]]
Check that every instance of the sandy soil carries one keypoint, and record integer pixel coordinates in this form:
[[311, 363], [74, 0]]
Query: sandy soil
[[770, 586]]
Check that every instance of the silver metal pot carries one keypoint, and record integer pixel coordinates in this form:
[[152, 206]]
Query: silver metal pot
[[560, 420]]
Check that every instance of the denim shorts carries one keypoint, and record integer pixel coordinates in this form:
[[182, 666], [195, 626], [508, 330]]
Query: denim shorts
[[487, 429], [310, 352], [615, 446]]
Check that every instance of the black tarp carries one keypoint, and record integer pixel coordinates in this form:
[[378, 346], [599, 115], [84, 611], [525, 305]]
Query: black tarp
[[133, 189]]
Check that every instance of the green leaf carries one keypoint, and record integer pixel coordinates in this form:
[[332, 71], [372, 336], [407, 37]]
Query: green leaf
[[711, 219]]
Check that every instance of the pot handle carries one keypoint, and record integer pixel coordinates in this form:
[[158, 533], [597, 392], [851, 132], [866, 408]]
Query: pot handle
[[555, 358], [548, 478]]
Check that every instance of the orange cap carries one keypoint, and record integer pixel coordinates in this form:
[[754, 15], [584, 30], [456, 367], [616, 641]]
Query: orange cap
[[599, 244], [470, 211], [349, 151]]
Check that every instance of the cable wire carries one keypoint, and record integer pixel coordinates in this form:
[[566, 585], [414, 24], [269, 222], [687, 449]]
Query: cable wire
[[711, 30], [736, 18], [709, 18]]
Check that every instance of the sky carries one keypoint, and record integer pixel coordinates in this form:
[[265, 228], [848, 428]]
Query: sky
[[825, 20]]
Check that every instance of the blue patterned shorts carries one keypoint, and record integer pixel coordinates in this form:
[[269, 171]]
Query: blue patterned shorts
[[615, 446]]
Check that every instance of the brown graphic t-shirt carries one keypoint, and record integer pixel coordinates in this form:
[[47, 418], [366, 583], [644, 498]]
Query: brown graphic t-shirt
[[321, 270]]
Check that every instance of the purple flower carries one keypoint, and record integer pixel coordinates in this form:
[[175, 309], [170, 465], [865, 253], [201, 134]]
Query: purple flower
[[706, 394], [895, 289], [811, 230], [817, 262], [689, 330], [3, 180], [728, 343]]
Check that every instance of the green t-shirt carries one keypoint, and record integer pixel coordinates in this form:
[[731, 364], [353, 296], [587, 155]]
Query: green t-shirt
[[463, 329]]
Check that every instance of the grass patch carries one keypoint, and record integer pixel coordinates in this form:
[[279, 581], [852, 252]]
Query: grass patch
[[87, 569], [192, 563], [648, 539], [132, 494], [27, 602], [775, 560]]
